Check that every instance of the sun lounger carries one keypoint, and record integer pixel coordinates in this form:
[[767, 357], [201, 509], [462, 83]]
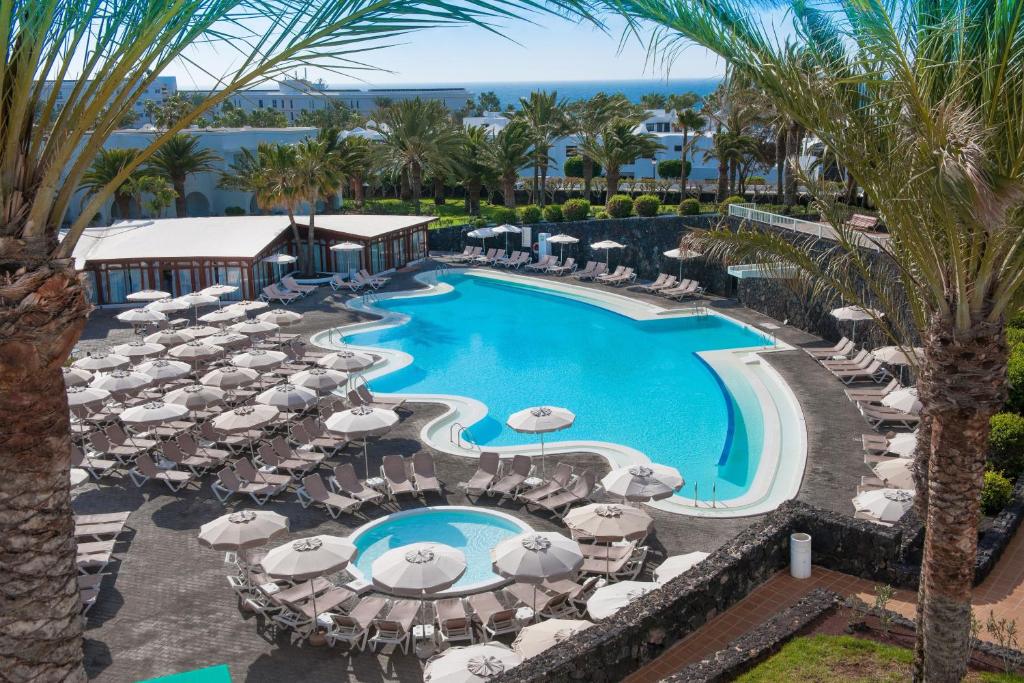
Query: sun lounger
[[840, 349], [354, 628], [145, 469], [197, 464], [587, 272], [190, 446], [486, 473], [565, 268], [393, 472], [248, 472], [875, 444], [424, 473], [292, 285], [862, 222], [495, 619], [622, 569], [325, 602], [658, 282], [381, 280], [98, 532], [275, 293], [119, 437], [367, 282], [324, 443], [295, 467], [233, 442], [668, 282], [524, 259], [486, 258], [627, 275], [542, 263], [560, 479], [124, 454], [874, 371], [458, 257], [503, 260], [338, 281], [879, 415], [345, 481], [361, 395], [600, 551], [313, 490], [103, 518], [686, 289], [94, 558], [619, 270], [508, 485], [453, 623], [286, 452], [861, 360], [528, 595], [396, 627], [96, 467], [228, 483], [468, 255], [872, 394], [559, 606], [579, 492]]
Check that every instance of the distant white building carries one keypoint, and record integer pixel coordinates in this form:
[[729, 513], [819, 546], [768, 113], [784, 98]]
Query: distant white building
[[292, 96], [159, 90]]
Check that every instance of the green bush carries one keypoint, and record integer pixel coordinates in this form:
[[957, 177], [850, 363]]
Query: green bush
[[1016, 321], [646, 205], [601, 215], [576, 209], [996, 492], [504, 214], [234, 211], [619, 206], [1006, 443], [1015, 379], [689, 207], [573, 167], [531, 213], [756, 180], [723, 208], [479, 222], [672, 169], [553, 213]]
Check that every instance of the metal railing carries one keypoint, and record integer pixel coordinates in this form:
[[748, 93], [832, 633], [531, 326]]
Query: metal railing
[[818, 229], [455, 433]]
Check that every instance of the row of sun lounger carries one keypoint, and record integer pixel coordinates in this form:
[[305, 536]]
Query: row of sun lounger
[[669, 286], [508, 480], [96, 536]]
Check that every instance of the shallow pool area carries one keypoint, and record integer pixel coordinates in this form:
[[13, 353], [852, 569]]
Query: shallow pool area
[[474, 531]]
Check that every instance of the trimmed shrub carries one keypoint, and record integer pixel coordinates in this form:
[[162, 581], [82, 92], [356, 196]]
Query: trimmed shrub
[[479, 222], [672, 169], [601, 215], [553, 213], [1015, 379], [234, 211], [1016, 321], [1006, 443], [689, 207], [646, 205], [531, 213], [505, 214], [723, 208], [619, 206], [996, 492], [573, 167], [576, 209]]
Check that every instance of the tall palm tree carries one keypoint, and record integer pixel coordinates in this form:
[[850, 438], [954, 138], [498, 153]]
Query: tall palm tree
[[587, 118], [246, 173], [544, 116], [620, 143], [318, 175], [921, 103], [688, 118], [417, 136], [116, 49], [471, 165], [178, 158], [509, 152], [354, 163], [105, 168]]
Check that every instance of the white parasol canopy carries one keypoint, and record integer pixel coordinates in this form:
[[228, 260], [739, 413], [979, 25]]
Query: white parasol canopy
[[167, 306], [364, 421], [347, 248], [245, 417], [219, 290], [607, 246], [607, 600], [254, 327], [319, 379], [229, 377], [222, 315], [418, 569], [896, 355], [169, 337], [681, 255], [541, 420], [195, 350], [141, 315], [561, 240], [472, 664], [280, 317], [280, 259], [677, 564], [609, 522], [259, 359], [100, 361], [507, 229], [884, 505], [904, 399], [153, 413], [121, 382], [896, 473], [195, 396], [86, 396], [200, 331], [345, 361], [228, 340], [242, 530], [855, 313], [535, 638], [197, 299], [643, 482], [162, 369], [138, 349], [534, 557], [308, 558], [903, 444], [247, 306], [148, 295], [287, 396], [74, 377]]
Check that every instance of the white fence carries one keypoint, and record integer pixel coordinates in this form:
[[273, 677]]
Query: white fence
[[821, 230]]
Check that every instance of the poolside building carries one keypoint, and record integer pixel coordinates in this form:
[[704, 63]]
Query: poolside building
[[181, 255]]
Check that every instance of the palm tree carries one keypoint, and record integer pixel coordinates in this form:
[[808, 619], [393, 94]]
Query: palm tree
[[509, 152], [354, 163], [471, 165], [417, 136], [178, 158], [688, 118], [587, 118], [246, 173], [275, 182], [317, 175], [543, 114], [620, 143], [922, 105], [653, 100], [105, 168]]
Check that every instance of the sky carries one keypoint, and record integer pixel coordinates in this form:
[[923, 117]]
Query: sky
[[550, 50]]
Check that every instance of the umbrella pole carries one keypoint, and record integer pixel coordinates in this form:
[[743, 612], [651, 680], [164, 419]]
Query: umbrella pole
[[534, 603], [366, 459], [543, 469]]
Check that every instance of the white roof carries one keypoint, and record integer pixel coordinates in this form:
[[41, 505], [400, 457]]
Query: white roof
[[220, 237]]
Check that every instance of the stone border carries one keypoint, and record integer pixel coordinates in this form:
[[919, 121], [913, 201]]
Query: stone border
[[994, 541], [761, 642]]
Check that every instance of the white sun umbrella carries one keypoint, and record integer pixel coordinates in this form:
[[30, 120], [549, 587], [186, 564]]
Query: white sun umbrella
[[471, 664], [418, 569], [561, 240], [218, 290], [280, 260], [200, 331], [74, 377], [281, 318], [162, 370], [643, 482], [222, 315], [167, 306], [82, 396], [481, 234], [148, 295], [347, 248], [253, 327], [195, 397], [607, 246], [541, 420], [896, 473], [904, 399], [141, 316], [309, 558], [607, 600], [885, 505], [245, 418], [535, 638], [853, 314], [228, 340], [153, 413], [169, 337], [345, 361], [195, 351], [320, 380], [196, 299], [101, 361], [508, 229], [259, 359], [139, 349], [243, 530], [247, 306], [535, 557], [903, 445], [896, 355], [681, 255], [229, 377], [677, 564], [121, 383], [362, 421], [607, 523], [288, 397]]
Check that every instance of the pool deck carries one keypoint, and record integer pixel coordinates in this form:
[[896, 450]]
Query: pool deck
[[167, 606]]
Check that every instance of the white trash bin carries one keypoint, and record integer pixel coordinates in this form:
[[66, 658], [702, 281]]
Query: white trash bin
[[800, 555]]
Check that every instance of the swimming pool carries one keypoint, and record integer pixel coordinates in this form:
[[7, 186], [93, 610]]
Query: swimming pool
[[474, 531], [637, 382]]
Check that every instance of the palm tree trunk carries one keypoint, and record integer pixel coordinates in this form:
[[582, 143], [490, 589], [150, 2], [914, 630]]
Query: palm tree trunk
[[536, 179], [684, 173], [123, 202], [508, 190], [473, 197], [543, 184], [438, 191], [780, 162], [404, 186], [310, 268], [792, 164], [962, 384], [415, 185], [298, 240], [43, 313], [723, 179], [612, 176], [179, 201], [588, 176]]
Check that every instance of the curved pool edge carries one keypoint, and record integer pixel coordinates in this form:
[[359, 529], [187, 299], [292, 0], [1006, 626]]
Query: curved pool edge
[[784, 448], [477, 587]]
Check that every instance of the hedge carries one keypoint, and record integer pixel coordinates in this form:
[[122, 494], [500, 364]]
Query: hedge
[[576, 209], [672, 169], [619, 206], [996, 492], [505, 214], [531, 213], [646, 205], [573, 167], [689, 207], [553, 213], [1006, 443]]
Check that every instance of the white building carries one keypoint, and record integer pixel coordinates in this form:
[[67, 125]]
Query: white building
[[292, 96], [159, 90]]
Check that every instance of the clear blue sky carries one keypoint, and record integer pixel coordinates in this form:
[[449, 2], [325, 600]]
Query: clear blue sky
[[551, 50]]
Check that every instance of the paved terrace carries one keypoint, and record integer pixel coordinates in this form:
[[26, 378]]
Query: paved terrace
[[167, 606]]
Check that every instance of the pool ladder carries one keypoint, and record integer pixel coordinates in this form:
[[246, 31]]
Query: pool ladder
[[370, 296], [455, 435], [714, 494]]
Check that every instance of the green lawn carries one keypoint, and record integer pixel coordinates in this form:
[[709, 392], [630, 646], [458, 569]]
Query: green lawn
[[826, 659]]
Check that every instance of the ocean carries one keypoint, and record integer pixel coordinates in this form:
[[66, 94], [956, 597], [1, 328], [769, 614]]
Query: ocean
[[510, 92]]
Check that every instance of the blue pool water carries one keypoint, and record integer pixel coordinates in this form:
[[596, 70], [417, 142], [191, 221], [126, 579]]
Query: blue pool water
[[637, 383], [474, 532]]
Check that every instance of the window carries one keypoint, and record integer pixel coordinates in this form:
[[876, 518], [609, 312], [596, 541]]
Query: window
[[398, 252], [273, 104], [650, 127], [571, 150], [260, 103], [377, 258], [679, 148]]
